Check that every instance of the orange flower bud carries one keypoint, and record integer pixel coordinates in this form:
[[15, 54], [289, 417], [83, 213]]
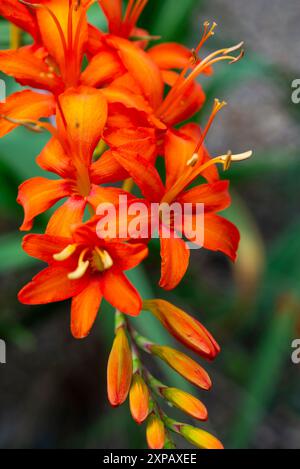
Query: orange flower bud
[[155, 433], [139, 399], [200, 438], [184, 365], [184, 328], [119, 369], [186, 402]]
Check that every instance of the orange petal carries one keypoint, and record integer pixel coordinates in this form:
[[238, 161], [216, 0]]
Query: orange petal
[[175, 257], [113, 12], [103, 68], [184, 365], [43, 247], [39, 194], [66, 216], [155, 433], [54, 159], [85, 307], [200, 438], [186, 402], [100, 195], [215, 196], [94, 42], [142, 68], [51, 285], [221, 235], [190, 103], [143, 173], [28, 67], [170, 55], [19, 15], [139, 399], [139, 140], [25, 105], [54, 40], [128, 256], [184, 328], [119, 369], [127, 300], [107, 170], [84, 113]]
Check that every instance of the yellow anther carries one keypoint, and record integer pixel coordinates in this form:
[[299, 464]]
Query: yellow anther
[[193, 160], [65, 253], [229, 158], [81, 268], [102, 259]]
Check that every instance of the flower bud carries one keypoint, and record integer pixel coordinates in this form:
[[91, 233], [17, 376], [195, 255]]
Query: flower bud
[[184, 328], [155, 432], [200, 438], [185, 402], [139, 399], [119, 369], [184, 365]]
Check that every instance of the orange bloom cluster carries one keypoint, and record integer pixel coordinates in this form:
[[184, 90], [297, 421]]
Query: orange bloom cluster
[[113, 104]]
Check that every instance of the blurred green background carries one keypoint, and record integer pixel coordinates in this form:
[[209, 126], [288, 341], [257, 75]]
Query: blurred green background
[[53, 388]]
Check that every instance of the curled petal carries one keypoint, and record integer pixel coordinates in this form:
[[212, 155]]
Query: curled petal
[[221, 235], [119, 370], [139, 399], [24, 105], [39, 194], [156, 434], [66, 216], [184, 328], [28, 67], [19, 15]]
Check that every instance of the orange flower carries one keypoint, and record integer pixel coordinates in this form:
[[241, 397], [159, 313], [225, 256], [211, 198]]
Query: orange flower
[[86, 269], [139, 399], [54, 61], [184, 365], [182, 168], [119, 369], [155, 432], [185, 402], [80, 122], [184, 328]]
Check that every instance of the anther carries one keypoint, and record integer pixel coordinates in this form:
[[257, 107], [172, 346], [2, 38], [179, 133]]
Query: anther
[[193, 160], [81, 268], [65, 253]]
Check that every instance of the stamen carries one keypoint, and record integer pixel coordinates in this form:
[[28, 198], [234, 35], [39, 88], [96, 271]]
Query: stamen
[[182, 83], [218, 106], [32, 125], [193, 172], [54, 18], [194, 160], [102, 259], [81, 268], [65, 253], [206, 35]]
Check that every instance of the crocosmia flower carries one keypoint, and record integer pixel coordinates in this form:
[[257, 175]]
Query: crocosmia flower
[[115, 105]]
